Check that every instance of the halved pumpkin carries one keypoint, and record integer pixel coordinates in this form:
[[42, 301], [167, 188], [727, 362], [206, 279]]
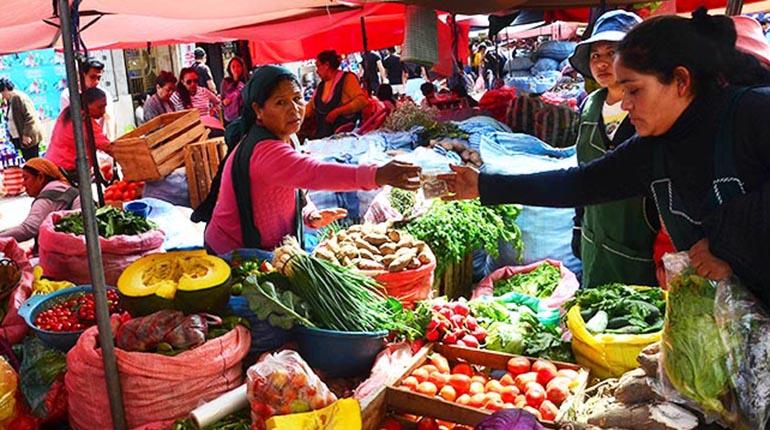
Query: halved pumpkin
[[190, 281]]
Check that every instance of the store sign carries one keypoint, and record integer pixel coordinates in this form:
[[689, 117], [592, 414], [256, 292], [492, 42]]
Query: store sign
[[39, 74]]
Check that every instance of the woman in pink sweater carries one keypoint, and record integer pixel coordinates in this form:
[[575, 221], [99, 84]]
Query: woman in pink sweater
[[263, 175]]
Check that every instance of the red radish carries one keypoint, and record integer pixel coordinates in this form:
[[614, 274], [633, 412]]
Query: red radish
[[460, 308], [446, 313], [480, 334], [471, 323], [457, 320], [432, 335], [450, 338], [470, 341]]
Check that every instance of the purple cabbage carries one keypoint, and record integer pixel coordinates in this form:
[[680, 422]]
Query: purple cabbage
[[510, 419]]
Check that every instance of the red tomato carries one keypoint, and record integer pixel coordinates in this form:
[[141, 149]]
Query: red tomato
[[121, 185], [545, 375], [568, 373], [493, 386], [391, 424], [548, 410], [534, 412], [438, 379], [539, 364], [463, 399], [518, 365], [427, 388], [461, 383], [410, 382], [521, 401], [535, 396], [521, 380], [448, 393], [427, 424], [462, 369], [127, 196], [507, 380], [421, 374], [557, 393], [509, 393]]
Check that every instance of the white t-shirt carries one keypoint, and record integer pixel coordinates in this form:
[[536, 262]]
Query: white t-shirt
[[612, 115]]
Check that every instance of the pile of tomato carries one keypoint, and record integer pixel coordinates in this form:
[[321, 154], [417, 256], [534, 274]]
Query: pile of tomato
[[123, 191], [539, 388], [75, 314]]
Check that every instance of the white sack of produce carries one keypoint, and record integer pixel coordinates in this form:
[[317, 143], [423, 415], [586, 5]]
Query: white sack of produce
[[546, 232], [123, 238]]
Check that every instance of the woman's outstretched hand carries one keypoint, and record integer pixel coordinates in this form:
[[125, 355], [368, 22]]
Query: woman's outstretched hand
[[325, 217], [399, 174], [463, 183]]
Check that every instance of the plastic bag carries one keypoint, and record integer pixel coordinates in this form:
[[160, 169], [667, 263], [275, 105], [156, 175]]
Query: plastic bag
[[607, 355], [13, 328], [9, 383], [281, 384], [716, 346], [42, 380]]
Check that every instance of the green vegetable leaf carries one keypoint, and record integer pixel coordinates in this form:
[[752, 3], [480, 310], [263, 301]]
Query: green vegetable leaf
[[540, 282], [279, 308]]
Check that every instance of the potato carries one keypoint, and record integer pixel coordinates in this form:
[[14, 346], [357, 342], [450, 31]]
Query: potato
[[333, 245], [386, 260], [324, 253], [419, 245], [394, 235], [342, 235], [346, 261], [424, 257], [349, 251], [411, 252], [355, 228], [388, 248], [366, 264], [414, 264], [400, 263], [376, 239], [405, 242], [362, 244], [364, 253]]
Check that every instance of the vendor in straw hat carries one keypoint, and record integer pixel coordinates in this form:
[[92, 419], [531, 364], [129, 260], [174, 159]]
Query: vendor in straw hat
[[52, 192]]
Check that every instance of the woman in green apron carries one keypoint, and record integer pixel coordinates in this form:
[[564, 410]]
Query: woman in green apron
[[616, 239], [702, 150]]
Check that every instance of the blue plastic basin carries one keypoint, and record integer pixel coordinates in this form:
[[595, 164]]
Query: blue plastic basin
[[63, 341], [340, 354]]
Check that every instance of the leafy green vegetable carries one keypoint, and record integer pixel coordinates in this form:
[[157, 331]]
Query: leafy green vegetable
[[110, 221], [410, 324], [488, 312], [454, 229], [694, 357], [540, 282], [638, 311], [402, 201], [544, 342], [409, 115], [505, 337], [280, 308]]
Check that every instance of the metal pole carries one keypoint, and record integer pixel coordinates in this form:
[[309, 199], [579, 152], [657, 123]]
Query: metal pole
[[366, 55], [734, 7], [92, 235]]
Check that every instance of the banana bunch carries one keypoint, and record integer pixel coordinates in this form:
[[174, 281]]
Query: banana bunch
[[46, 286]]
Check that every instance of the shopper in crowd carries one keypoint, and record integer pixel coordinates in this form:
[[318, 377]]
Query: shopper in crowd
[[231, 88], [385, 95], [189, 95], [460, 92], [259, 200], [205, 79], [338, 99], [61, 150], [160, 102], [615, 240], [374, 71], [91, 71], [394, 70], [21, 117], [413, 77], [703, 148], [46, 183], [430, 98], [140, 100]]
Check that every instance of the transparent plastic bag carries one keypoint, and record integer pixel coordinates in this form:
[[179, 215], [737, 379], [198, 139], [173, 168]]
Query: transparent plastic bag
[[9, 382], [715, 351], [281, 384]]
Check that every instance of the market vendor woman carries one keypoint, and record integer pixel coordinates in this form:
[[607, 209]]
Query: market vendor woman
[[259, 202], [702, 150], [339, 98], [614, 240], [52, 192]]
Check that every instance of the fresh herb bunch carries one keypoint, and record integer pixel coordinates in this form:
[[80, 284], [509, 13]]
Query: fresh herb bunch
[[110, 221], [543, 341], [411, 324], [409, 115], [540, 282], [402, 201], [238, 421], [338, 298], [459, 227]]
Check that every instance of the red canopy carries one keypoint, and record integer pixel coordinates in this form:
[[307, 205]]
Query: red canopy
[[665, 8]]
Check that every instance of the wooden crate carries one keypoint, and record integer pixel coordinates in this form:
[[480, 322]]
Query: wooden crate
[[154, 149], [201, 161], [456, 280], [394, 399]]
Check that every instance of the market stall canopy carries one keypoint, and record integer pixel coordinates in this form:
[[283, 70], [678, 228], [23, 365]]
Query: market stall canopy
[[470, 7], [295, 39], [558, 30], [36, 24], [660, 8]]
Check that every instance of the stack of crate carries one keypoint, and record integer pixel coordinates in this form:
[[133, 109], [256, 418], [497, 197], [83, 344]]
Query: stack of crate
[[201, 161]]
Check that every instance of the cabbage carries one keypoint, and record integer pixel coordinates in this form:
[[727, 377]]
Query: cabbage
[[504, 337], [510, 419]]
